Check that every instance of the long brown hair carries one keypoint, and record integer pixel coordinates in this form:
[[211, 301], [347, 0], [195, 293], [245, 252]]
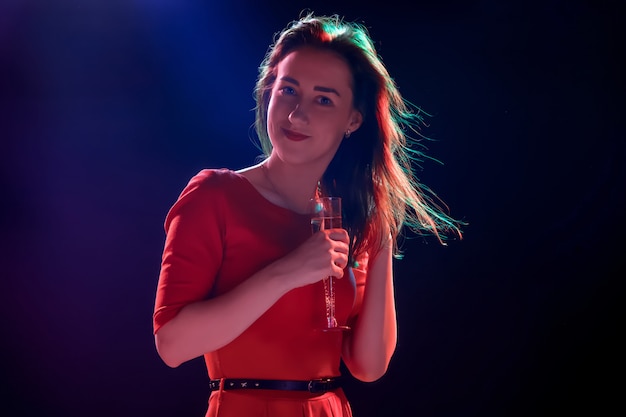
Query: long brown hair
[[372, 171]]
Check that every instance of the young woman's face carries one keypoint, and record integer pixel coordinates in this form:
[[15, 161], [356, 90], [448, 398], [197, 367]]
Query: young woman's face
[[310, 107]]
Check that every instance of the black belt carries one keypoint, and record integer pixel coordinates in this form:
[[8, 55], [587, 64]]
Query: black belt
[[314, 385]]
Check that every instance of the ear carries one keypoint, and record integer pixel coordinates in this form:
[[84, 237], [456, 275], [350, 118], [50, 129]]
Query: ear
[[356, 119]]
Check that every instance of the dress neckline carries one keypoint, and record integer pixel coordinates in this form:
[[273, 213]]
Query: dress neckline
[[261, 197]]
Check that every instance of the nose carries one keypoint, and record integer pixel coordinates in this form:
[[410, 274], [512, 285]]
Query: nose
[[298, 115]]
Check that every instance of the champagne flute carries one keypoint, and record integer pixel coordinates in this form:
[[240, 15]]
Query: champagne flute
[[326, 214]]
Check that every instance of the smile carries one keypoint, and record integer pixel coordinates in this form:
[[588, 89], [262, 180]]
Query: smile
[[294, 136]]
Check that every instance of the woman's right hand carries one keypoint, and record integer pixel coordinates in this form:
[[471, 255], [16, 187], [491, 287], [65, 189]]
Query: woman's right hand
[[210, 324], [324, 254]]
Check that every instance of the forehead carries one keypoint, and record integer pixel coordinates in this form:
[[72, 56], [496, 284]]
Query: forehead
[[316, 66]]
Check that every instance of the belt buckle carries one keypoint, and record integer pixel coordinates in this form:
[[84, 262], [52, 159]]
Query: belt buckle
[[319, 385]]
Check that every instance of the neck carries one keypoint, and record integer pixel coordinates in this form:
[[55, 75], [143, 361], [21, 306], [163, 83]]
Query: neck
[[293, 186]]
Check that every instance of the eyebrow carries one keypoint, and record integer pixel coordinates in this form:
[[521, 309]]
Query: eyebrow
[[316, 88]]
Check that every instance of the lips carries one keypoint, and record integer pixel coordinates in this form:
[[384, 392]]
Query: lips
[[294, 136]]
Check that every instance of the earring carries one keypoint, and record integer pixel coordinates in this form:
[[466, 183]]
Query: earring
[[347, 135]]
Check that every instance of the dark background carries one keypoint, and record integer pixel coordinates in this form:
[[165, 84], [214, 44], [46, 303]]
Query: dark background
[[107, 108]]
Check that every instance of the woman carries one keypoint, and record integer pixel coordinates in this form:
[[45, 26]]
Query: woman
[[241, 275]]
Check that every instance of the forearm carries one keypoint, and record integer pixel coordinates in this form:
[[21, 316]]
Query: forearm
[[368, 349], [208, 325]]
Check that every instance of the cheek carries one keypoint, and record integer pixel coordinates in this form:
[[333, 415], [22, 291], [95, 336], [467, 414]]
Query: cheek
[[274, 116], [275, 109]]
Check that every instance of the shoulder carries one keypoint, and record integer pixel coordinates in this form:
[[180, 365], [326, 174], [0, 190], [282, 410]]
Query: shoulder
[[213, 183], [206, 192], [214, 178]]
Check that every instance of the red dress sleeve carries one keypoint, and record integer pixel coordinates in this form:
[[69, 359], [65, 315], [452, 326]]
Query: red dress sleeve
[[193, 248]]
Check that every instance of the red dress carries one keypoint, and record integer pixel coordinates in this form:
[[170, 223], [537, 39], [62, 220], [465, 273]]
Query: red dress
[[221, 231]]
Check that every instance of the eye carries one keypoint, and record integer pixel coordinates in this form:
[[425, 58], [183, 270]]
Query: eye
[[325, 101], [287, 91]]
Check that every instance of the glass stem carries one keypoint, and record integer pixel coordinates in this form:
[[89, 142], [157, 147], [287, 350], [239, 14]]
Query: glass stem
[[329, 298]]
